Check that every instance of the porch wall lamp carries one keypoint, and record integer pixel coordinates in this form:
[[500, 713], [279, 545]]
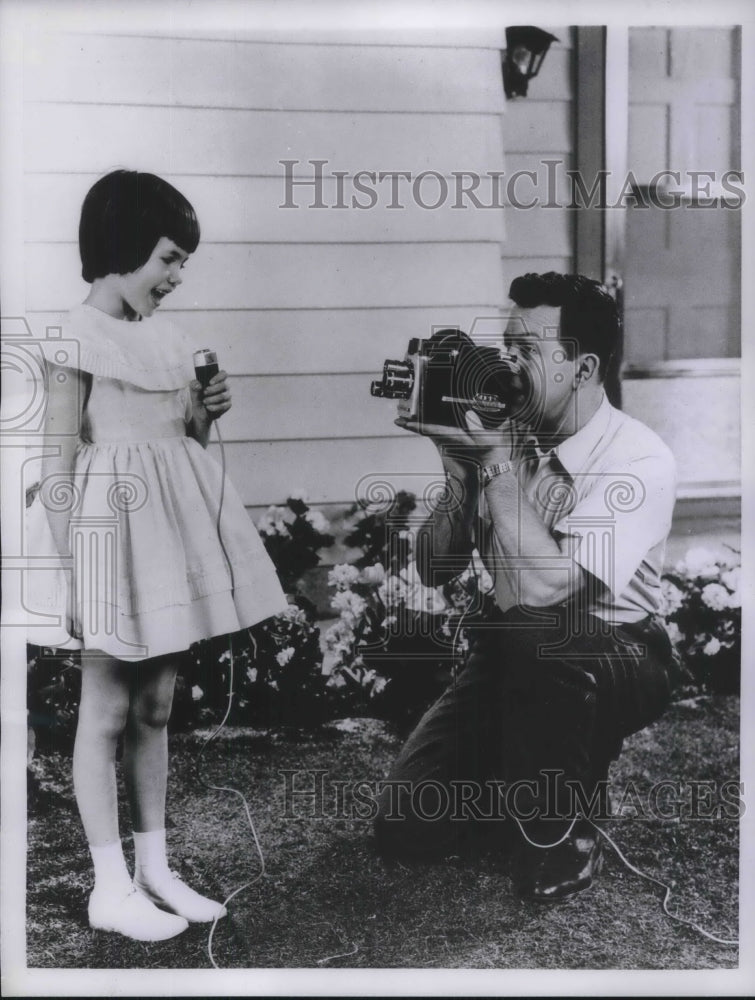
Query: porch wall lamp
[[525, 51]]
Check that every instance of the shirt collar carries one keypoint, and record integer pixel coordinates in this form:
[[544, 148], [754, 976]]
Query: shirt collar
[[574, 452]]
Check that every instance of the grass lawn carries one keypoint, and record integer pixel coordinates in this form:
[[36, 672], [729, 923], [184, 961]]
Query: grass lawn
[[328, 901]]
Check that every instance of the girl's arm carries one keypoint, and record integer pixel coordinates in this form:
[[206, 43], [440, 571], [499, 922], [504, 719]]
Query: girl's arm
[[67, 390], [208, 405]]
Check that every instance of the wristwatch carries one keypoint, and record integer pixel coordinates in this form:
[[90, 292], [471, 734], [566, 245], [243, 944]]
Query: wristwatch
[[491, 471]]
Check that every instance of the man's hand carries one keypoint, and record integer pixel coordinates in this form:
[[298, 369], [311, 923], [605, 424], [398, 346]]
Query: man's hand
[[215, 400], [474, 444]]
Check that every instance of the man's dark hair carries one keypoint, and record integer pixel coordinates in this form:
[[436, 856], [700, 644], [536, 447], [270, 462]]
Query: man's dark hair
[[124, 216], [589, 317]]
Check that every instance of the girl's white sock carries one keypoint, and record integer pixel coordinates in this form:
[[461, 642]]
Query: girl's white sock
[[151, 857], [110, 872]]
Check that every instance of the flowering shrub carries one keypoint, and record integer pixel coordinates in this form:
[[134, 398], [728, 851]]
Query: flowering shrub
[[394, 645], [53, 692], [396, 639], [293, 536], [377, 530], [277, 676], [702, 605]]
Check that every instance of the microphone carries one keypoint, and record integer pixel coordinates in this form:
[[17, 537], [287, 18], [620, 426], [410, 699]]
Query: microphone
[[205, 366]]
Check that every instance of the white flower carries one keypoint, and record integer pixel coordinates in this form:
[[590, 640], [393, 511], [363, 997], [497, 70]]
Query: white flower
[[197, 693], [294, 613], [699, 562], [351, 605], [373, 575], [716, 596], [272, 522], [712, 646], [674, 633], [285, 655], [732, 578], [336, 680], [251, 673], [332, 636], [418, 597], [379, 684], [343, 576], [428, 599], [735, 599], [393, 591], [671, 597], [339, 638], [318, 521], [728, 630]]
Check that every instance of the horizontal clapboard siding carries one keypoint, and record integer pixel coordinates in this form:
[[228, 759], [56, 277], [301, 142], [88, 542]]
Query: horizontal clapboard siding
[[545, 126], [248, 209], [272, 77], [314, 406], [212, 141], [310, 276], [306, 341], [539, 139], [245, 74], [303, 304], [206, 23], [329, 471]]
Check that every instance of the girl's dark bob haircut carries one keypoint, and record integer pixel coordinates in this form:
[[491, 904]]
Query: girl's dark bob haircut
[[123, 217]]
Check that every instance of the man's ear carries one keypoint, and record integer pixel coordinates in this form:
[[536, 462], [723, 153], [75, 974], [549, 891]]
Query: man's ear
[[587, 367]]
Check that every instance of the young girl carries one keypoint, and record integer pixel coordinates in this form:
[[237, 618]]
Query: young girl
[[138, 462]]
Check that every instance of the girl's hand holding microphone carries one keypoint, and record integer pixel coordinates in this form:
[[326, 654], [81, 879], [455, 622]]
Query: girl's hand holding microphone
[[210, 395], [214, 400]]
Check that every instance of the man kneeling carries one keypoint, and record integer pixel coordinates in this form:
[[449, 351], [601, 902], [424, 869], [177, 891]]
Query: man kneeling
[[569, 504]]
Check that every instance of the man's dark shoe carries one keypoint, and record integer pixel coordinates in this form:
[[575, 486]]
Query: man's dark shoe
[[551, 874]]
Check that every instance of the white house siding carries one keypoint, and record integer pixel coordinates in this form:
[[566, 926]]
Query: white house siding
[[539, 133], [302, 304]]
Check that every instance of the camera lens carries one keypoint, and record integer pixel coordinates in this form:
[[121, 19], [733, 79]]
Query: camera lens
[[397, 381]]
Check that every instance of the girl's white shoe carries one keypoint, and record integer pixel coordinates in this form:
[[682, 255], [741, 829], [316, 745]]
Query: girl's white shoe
[[171, 894], [133, 916]]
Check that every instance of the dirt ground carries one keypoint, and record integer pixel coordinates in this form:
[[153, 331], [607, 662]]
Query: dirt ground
[[327, 900]]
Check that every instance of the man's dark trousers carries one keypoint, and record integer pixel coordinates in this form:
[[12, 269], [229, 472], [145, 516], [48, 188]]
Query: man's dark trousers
[[547, 694]]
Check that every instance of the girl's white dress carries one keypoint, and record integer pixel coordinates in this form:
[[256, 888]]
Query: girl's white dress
[[149, 574]]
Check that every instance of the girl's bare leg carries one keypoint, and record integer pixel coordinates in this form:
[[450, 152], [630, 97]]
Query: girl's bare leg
[[114, 905], [102, 716], [146, 768], [145, 751]]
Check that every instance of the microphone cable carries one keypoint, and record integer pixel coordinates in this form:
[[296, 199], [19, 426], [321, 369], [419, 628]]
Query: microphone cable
[[221, 725], [667, 895]]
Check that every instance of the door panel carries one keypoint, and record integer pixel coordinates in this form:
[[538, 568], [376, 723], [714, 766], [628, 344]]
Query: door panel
[[682, 265]]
